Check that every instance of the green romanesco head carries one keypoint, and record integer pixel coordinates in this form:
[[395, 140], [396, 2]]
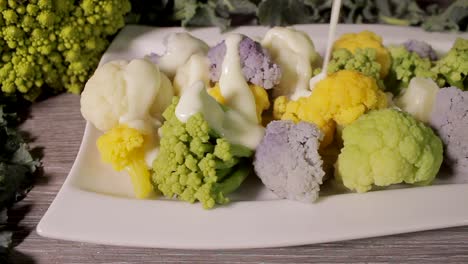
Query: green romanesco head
[[54, 45], [195, 165], [452, 69], [388, 147], [363, 61], [406, 65]]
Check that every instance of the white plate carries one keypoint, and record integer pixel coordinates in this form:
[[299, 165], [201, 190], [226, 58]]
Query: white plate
[[95, 204]]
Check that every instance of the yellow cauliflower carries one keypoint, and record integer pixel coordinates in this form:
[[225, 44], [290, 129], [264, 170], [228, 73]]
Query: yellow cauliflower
[[262, 102], [123, 148], [339, 99], [366, 39]]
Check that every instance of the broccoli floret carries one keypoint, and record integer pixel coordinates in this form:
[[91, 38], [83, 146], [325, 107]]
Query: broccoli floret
[[363, 61], [52, 45], [195, 164], [257, 65], [287, 160], [452, 69], [406, 65]]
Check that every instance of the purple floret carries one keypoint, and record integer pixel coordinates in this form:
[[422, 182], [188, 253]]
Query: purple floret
[[450, 119], [423, 49], [287, 160], [154, 57], [257, 65]]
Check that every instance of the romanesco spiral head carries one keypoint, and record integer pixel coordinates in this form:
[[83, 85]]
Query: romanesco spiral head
[[195, 165], [74, 31]]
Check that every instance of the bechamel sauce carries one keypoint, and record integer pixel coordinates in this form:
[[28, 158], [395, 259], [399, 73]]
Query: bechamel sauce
[[197, 68], [294, 51], [335, 15], [143, 82], [179, 48], [232, 125], [233, 86]]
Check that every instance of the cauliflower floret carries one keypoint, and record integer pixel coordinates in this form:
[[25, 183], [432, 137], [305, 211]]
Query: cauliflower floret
[[450, 120], [338, 99], [196, 69], [257, 66], [295, 53], [418, 98], [126, 92], [287, 160], [124, 148], [179, 48], [423, 49], [262, 102], [366, 39], [387, 147]]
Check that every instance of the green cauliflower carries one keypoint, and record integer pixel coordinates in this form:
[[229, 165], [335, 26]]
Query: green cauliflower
[[363, 61], [196, 164], [54, 45], [452, 69], [388, 147], [406, 65]]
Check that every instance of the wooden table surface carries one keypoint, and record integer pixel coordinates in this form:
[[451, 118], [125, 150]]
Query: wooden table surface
[[57, 126]]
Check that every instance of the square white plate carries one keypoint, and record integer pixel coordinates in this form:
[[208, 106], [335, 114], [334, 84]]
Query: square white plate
[[95, 203]]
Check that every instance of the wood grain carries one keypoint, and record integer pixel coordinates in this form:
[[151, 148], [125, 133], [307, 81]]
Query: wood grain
[[57, 126]]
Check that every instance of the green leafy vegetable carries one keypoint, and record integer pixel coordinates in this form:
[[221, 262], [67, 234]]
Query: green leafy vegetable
[[226, 13], [454, 18], [17, 167]]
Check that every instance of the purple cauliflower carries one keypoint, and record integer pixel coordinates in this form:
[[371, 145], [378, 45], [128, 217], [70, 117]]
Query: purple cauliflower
[[450, 119], [257, 65], [287, 160], [423, 49]]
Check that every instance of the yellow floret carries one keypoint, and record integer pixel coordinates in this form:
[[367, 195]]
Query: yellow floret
[[262, 102], [123, 148], [339, 99], [366, 39]]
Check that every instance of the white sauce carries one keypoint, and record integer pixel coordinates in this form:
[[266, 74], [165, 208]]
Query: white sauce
[[231, 125], [179, 48], [294, 51], [234, 88], [335, 15], [196, 69], [143, 82]]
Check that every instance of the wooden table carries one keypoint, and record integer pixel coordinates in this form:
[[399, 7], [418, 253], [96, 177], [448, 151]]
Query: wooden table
[[57, 126]]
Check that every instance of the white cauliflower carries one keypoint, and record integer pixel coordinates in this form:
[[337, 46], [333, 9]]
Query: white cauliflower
[[196, 69], [418, 98], [134, 93]]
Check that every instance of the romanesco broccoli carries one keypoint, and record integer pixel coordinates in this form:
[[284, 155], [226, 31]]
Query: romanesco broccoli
[[54, 44], [405, 66], [362, 40], [123, 148], [452, 69], [363, 61], [195, 164]]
